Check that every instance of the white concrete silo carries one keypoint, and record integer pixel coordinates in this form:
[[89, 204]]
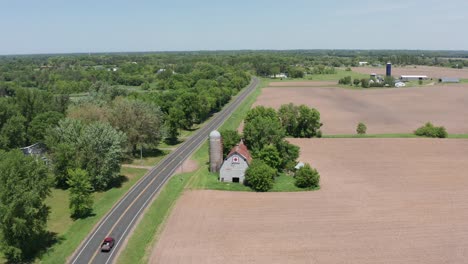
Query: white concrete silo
[[216, 151]]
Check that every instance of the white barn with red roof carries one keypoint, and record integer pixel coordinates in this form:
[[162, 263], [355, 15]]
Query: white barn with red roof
[[235, 164]]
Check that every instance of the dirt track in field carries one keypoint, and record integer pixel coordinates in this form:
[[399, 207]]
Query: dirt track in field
[[431, 72], [391, 110], [381, 201]]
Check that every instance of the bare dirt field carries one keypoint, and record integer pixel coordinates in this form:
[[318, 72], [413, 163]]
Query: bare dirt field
[[431, 72], [391, 110], [303, 84], [381, 201]]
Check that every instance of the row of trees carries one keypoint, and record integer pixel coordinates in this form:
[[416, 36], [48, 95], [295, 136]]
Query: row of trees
[[264, 133], [388, 81], [77, 73]]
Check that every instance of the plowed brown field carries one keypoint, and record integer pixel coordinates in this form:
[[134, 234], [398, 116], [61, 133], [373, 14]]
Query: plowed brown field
[[381, 201], [393, 110]]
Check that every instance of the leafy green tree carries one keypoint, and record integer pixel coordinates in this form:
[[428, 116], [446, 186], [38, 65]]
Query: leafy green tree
[[8, 109], [308, 122], [262, 131], [288, 114], [81, 193], [174, 122], [345, 80], [101, 149], [32, 102], [356, 82], [63, 142], [97, 148], [307, 177], [259, 176], [24, 186], [365, 83], [41, 124], [361, 128], [13, 133], [141, 122], [261, 111], [289, 155], [270, 155], [230, 139], [89, 112], [64, 158]]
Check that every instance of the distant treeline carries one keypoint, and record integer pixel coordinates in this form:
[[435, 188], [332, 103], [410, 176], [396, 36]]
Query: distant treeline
[[76, 73]]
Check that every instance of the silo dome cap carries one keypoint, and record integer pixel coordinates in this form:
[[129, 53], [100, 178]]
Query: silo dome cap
[[215, 134]]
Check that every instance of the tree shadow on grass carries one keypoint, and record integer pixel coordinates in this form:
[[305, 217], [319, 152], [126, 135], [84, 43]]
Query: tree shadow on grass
[[39, 245], [172, 141], [117, 182], [152, 153], [76, 217]]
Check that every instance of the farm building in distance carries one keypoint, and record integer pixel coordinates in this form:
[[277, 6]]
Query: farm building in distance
[[449, 80], [235, 164], [35, 149], [407, 78]]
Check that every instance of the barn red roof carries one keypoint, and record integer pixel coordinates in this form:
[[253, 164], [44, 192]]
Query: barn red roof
[[242, 150]]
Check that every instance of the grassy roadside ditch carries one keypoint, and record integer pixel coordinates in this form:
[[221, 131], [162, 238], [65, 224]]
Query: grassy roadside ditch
[[145, 235], [71, 233]]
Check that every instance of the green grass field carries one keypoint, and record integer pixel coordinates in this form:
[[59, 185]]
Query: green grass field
[[70, 233]]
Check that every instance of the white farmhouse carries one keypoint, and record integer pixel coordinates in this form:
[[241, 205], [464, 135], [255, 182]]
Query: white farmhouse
[[235, 164]]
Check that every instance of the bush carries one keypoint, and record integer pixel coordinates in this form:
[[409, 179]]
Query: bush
[[356, 82], [364, 83], [307, 177], [345, 80], [259, 176], [361, 129], [429, 130]]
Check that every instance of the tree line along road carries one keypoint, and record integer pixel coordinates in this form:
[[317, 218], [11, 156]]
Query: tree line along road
[[122, 217]]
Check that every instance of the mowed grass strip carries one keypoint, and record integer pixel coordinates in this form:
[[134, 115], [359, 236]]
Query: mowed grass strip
[[145, 235], [71, 233], [138, 248]]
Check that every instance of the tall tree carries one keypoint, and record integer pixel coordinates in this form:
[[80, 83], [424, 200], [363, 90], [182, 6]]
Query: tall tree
[[41, 124], [81, 191], [13, 133], [142, 122], [24, 187], [230, 139], [100, 153], [262, 127]]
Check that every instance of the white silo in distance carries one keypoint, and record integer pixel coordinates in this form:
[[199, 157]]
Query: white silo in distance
[[216, 151]]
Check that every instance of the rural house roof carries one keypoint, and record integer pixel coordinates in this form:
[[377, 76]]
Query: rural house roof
[[242, 150]]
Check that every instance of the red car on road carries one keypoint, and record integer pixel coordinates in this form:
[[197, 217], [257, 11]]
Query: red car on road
[[107, 244]]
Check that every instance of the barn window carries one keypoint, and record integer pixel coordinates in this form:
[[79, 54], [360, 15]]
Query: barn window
[[235, 179]]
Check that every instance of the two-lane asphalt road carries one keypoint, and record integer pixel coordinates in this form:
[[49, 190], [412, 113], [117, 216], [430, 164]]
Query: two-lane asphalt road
[[123, 216]]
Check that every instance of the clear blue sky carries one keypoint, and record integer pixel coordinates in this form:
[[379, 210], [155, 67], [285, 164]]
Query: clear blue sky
[[61, 26]]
